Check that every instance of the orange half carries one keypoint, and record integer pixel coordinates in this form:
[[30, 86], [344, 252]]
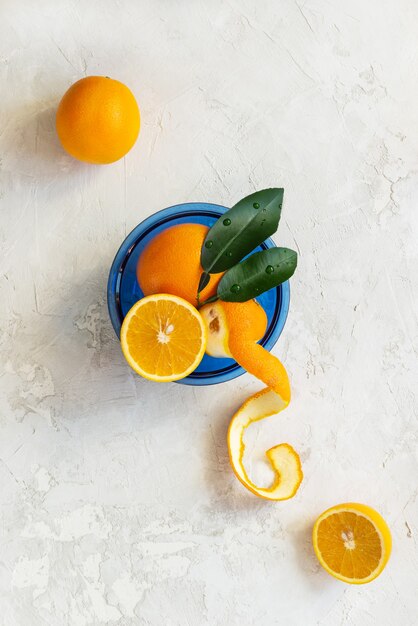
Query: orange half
[[163, 338], [352, 542]]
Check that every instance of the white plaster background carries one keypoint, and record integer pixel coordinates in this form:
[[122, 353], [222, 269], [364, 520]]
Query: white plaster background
[[118, 505]]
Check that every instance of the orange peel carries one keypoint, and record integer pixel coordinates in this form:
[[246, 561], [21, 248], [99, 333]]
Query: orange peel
[[233, 330], [283, 459]]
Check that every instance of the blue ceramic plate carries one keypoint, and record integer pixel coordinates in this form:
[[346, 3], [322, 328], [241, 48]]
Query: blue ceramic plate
[[123, 289]]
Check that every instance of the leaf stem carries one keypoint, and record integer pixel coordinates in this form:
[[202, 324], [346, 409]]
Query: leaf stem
[[208, 301]]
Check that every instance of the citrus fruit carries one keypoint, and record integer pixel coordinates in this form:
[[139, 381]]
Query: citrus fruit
[[163, 338], [98, 120], [233, 331], [352, 542], [247, 319], [170, 263]]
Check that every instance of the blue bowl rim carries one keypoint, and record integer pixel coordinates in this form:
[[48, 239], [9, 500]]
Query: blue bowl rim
[[150, 223]]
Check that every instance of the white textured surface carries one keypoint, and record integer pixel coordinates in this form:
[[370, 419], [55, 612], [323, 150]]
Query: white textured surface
[[118, 505]]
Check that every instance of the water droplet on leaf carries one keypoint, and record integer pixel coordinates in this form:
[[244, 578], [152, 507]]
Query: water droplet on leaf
[[256, 205], [208, 244], [235, 288], [228, 253], [226, 221], [269, 269]]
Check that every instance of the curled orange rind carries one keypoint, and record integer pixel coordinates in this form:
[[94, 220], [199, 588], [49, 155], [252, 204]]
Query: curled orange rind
[[283, 459], [233, 330]]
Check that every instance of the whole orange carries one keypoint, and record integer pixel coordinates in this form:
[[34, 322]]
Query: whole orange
[[171, 263], [98, 120]]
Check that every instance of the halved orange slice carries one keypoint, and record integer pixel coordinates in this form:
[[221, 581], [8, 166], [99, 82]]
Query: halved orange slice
[[163, 338], [352, 542]]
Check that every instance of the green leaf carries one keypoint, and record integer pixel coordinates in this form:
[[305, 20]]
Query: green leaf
[[241, 229], [203, 282], [260, 272]]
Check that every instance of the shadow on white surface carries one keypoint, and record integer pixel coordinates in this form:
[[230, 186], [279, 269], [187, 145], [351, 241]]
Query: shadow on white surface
[[301, 536], [33, 149]]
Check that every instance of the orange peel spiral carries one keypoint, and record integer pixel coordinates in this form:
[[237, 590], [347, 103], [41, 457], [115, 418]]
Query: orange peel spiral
[[233, 330]]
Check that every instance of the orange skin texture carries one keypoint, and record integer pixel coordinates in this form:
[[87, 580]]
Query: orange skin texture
[[171, 264], [262, 364], [98, 120], [247, 322], [241, 325]]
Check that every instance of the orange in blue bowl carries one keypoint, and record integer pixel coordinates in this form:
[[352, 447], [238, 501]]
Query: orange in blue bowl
[[123, 290]]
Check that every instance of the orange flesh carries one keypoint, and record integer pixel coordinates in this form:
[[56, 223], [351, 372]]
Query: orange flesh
[[151, 326], [349, 544]]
